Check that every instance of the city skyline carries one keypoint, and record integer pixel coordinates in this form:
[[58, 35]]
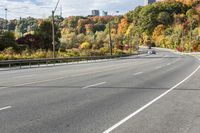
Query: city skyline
[[42, 8]]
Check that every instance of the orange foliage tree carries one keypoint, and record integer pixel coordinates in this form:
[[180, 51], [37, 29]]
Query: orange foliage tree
[[122, 26]]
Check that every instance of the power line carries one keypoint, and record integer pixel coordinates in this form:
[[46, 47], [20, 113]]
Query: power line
[[56, 5]]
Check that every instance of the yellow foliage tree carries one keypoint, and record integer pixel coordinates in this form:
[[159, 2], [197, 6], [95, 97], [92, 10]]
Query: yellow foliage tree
[[158, 31]]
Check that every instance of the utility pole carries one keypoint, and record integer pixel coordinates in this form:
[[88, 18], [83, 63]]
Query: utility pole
[[6, 18], [53, 30], [110, 38], [53, 35]]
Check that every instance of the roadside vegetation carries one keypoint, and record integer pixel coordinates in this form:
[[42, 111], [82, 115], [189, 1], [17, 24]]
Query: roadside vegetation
[[173, 24], [170, 24]]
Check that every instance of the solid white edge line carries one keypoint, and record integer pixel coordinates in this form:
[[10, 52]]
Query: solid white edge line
[[148, 104], [89, 86], [4, 108]]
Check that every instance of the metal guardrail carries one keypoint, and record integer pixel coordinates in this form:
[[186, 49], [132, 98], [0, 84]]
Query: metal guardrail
[[30, 62]]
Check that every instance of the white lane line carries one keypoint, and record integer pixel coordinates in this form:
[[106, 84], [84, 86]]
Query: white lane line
[[149, 104], [138, 73], [93, 85], [4, 108]]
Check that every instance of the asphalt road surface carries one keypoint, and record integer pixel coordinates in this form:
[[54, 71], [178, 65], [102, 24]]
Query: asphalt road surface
[[139, 94]]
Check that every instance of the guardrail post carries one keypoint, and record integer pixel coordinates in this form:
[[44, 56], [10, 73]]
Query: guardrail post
[[9, 66], [30, 64]]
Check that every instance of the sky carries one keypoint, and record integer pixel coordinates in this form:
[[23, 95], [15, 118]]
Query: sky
[[43, 8]]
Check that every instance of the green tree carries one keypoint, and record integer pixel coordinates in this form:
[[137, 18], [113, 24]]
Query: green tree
[[99, 27], [25, 25], [45, 33], [154, 14], [12, 25], [164, 18], [7, 39]]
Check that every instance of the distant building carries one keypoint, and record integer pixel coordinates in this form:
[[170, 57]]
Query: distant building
[[104, 13], [95, 13], [147, 2]]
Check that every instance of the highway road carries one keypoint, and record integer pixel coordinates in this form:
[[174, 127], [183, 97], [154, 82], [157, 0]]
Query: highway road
[[138, 94]]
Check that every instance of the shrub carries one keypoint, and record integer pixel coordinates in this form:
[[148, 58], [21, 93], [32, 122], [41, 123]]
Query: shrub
[[85, 46], [38, 54], [69, 53], [104, 50], [118, 52]]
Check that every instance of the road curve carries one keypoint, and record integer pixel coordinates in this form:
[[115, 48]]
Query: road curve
[[98, 97]]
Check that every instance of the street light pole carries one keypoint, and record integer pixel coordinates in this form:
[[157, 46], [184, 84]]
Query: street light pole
[[53, 30]]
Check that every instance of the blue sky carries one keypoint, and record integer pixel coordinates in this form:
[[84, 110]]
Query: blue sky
[[42, 8]]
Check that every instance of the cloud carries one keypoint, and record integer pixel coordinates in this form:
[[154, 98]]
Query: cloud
[[43, 8]]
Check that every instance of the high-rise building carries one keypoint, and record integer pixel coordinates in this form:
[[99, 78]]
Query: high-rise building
[[146, 2], [104, 13], [95, 13]]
